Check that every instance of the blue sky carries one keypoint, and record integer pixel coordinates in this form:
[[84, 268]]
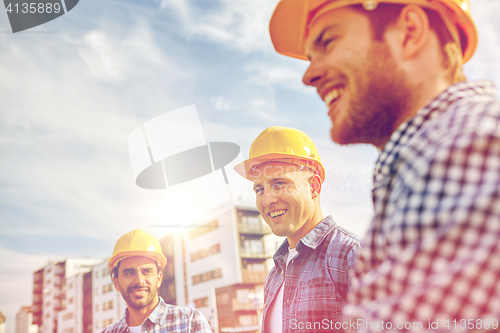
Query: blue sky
[[72, 91]]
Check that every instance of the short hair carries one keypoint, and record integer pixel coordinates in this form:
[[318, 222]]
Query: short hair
[[386, 14]]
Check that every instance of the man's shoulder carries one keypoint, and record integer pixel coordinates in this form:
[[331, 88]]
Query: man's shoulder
[[179, 311], [343, 238], [339, 243]]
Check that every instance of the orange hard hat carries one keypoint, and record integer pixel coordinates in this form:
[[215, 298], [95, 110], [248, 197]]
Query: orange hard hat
[[290, 22], [137, 243], [282, 144]]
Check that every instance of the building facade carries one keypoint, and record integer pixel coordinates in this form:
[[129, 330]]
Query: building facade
[[49, 290], [108, 306], [24, 321], [220, 266]]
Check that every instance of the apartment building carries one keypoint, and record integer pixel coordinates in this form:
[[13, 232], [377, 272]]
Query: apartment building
[[2, 323], [107, 303], [24, 321], [49, 290], [224, 260]]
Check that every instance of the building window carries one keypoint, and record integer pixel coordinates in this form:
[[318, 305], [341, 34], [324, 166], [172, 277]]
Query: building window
[[47, 304], [107, 288], [214, 249], [107, 305], [68, 316], [207, 276], [71, 285], [252, 246], [247, 320], [107, 322], [201, 302], [71, 300], [47, 315], [206, 228], [97, 308], [223, 299], [105, 272]]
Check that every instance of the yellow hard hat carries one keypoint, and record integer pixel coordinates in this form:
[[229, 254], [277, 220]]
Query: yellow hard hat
[[291, 19], [282, 144], [137, 243]]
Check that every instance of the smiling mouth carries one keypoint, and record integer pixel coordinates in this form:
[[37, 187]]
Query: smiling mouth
[[333, 95], [277, 213], [139, 291]]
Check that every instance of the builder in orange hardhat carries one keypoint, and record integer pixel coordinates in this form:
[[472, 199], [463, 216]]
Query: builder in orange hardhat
[[311, 277], [390, 74], [136, 266]]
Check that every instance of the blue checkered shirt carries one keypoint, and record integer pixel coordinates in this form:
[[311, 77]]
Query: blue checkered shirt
[[316, 280], [166, 318], [432, 251]]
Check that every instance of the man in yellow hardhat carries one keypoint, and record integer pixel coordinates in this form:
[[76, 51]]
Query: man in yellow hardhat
[[390, 74], [308, 286], [136, 267]]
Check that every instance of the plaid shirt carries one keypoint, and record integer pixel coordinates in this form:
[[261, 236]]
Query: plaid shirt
[[432, 251], [316, 280], [166, 318]]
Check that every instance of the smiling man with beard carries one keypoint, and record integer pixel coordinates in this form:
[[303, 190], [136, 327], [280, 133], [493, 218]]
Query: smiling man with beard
[[308, 286], [136, 266], [390, 74]]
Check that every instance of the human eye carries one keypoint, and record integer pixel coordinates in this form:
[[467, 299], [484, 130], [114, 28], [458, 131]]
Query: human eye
[[128, 273], [147, 271], [328, 41], [279, 184], [258, 190]]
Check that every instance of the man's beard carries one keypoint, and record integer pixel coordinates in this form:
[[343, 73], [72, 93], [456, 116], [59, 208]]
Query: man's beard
[[382, 95], [143, 302]]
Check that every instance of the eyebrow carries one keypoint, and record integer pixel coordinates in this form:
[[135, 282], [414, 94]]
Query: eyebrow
[[274, 180]]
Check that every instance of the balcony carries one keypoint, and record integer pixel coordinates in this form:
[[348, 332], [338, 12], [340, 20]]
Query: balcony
[[245, 254], [257, 277], [254, 228], [238, 306]]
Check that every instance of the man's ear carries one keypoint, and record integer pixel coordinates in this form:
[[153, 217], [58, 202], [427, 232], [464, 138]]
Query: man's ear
[[116, 284], [160, 279], [413, 25], [315, 181]]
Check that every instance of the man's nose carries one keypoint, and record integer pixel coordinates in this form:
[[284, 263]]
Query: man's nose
[[313, 74], [270, 197], [139, 278]]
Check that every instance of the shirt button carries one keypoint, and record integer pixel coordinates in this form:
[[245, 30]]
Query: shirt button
[[281, 272]]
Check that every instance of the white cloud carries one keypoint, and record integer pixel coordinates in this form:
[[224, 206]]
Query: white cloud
[[220, 103], [238, 24], [284, 72]]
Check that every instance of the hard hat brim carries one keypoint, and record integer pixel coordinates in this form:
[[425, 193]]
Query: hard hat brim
[[244, 167], [158, 257]]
